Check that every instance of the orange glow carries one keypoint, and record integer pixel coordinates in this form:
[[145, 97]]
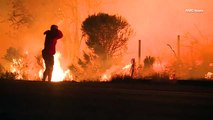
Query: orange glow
[[209, 76], [105, 77], [155, 22], [127, 66], [159, 67], [15, 67], [58, 74], [115, 70], [40, 73]]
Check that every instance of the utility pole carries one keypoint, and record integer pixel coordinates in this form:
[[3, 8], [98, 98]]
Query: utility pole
[[139, 60], [139, 52], [178, 56], [178, 47]]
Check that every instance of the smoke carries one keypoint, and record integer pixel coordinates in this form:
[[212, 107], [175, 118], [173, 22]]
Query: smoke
[[155, 22]]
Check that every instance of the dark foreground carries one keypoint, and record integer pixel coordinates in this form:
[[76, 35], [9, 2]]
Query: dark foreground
[[26, 100]]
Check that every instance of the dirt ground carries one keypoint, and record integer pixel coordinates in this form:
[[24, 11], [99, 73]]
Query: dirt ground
[[34, 100]]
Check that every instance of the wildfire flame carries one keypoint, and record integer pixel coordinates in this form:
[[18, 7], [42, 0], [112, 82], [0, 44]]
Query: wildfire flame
[[126, 69], [209, 75], [105, 77], [15, 67], [127, 66], [58, 74]]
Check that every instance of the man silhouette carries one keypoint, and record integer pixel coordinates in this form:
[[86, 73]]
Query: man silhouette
[[51, 38]]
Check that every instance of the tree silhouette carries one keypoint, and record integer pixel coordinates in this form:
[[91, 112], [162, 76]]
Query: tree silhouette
[[18, 14], [106, 34]]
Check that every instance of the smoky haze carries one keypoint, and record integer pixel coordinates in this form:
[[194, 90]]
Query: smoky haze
[[155, 22]]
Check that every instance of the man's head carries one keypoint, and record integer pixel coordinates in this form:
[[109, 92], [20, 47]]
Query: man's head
[[53, 27]]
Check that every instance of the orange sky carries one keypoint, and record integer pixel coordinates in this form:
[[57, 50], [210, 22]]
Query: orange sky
[[155, 22], [158, 22]]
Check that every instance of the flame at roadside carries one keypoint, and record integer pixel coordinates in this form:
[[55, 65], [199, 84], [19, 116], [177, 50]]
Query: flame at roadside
[[127, 66], [209, 76], [115, 70], [105, 77]]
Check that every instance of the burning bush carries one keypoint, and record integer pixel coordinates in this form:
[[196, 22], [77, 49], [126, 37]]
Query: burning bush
[[21, 64], [8, 75], [148, 66], [87, 68], [15, 59]]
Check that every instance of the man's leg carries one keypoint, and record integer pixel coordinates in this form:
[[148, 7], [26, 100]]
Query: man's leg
[[46, 66], [44, 75], [50, 74], [51, 63]]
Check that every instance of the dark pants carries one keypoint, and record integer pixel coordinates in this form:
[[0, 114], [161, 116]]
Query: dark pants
[[49, 62]]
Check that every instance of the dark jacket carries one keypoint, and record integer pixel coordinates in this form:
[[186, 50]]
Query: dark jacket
[[50, 41]]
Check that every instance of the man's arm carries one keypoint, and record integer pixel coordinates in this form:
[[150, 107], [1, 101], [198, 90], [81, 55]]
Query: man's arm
[[46, 32], [60, 34]]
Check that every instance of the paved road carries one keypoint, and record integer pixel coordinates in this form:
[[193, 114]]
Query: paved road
[[104, 101]]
